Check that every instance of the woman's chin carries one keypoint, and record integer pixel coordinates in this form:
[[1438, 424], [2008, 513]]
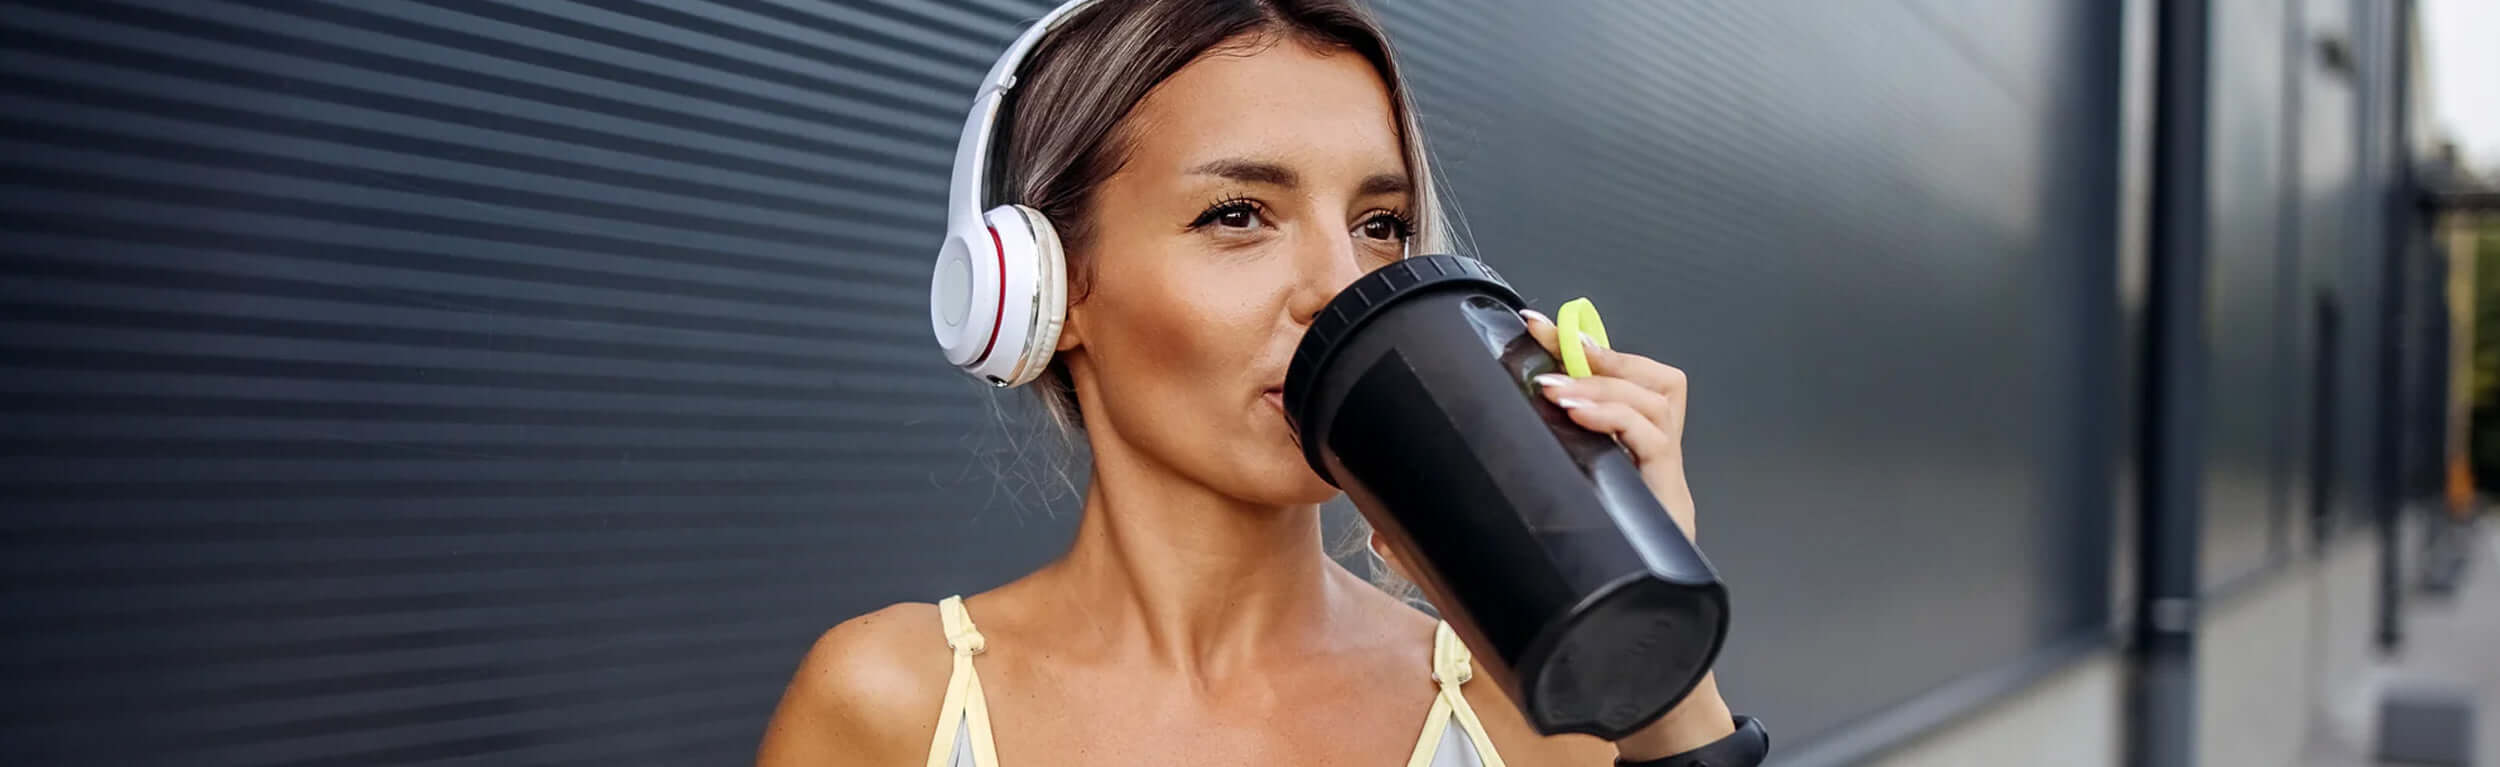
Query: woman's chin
[[1315, 493], [1290, 482], [1308, 488]]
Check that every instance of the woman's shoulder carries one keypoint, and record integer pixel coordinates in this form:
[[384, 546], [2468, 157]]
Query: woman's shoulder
[[868, 690], [895, 654]]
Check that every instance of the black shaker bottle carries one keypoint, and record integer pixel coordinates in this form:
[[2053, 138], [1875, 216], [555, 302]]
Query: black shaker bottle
[[1534, 537]]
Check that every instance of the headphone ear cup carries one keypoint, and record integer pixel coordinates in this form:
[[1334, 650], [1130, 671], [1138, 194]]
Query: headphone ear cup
[[963, 296], [1050, 311], [1035, 292]]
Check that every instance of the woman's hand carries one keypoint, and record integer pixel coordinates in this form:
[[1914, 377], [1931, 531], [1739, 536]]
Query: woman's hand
[[1637, 400], [1640, 401]]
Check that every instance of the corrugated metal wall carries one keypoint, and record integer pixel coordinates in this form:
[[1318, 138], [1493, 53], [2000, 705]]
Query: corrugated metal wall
[[522, 382], [1811, 209], [2328, 192], [2249, 379], [529, 381], [2293, 229], [2354, 244]]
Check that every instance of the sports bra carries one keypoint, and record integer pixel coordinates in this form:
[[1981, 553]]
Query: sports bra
[[1452, 736]]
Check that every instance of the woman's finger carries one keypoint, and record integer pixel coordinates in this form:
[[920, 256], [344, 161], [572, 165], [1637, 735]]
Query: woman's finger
[[1648, 373], [1651, 404], [1541, 328], [1646, 441]]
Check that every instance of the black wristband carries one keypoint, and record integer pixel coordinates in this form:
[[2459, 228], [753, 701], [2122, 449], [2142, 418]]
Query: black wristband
[[1746, 747]]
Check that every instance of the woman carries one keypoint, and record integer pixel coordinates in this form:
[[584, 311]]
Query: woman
[[1216, 171]]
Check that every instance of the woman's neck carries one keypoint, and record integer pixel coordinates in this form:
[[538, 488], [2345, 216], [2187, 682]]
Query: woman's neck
[[1193, 578]]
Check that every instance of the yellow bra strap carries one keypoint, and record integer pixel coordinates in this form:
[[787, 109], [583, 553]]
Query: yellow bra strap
[[965, 706], [1452, 667]]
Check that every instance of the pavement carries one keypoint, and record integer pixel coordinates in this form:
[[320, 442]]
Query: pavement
[[2451, 642]]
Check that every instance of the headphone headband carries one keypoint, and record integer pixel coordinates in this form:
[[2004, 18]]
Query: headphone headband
[[967, 191], [997, 295]]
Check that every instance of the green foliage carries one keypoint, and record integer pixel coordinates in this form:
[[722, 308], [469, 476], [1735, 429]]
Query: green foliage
[[2484, 424]]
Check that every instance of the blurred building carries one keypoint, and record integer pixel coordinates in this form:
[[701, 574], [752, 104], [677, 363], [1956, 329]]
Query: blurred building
[[530, 381]]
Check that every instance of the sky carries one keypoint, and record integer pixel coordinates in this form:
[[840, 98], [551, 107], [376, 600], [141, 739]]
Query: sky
[[2461, 56]]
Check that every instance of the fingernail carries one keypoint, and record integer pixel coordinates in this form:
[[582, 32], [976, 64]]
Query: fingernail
[[1535, 316], [1552, 380], [1591, 343], [1571, 403]]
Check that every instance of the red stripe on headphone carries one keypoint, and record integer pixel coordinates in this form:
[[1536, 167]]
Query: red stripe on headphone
[[998, 322]]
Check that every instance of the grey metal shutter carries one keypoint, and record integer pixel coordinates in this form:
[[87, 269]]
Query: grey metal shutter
[[528, 381], [1881, 238], [494, 382], [2252, 288]]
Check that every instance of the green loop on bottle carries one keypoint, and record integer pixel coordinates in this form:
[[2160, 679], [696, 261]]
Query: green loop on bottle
[[1576, 318]]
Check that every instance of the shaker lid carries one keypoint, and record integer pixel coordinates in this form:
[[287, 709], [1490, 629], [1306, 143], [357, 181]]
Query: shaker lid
[[1357, 304]]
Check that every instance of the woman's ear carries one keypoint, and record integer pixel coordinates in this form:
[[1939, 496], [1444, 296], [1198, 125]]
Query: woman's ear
[[1071, 334], [1069, 338]]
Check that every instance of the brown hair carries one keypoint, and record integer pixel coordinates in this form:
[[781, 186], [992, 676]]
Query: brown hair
[[1063, 135]]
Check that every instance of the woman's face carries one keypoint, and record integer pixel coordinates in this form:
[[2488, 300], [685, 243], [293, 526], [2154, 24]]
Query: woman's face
[[1260, 180]]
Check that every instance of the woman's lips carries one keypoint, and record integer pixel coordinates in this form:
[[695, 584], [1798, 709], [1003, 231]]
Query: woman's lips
[[1275, 397]]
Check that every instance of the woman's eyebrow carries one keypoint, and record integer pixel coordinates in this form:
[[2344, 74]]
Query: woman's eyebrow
[[1250, 171], [1276, 174], [1383, 183]]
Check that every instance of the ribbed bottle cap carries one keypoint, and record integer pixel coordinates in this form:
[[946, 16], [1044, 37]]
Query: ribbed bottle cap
[[1361, 301]]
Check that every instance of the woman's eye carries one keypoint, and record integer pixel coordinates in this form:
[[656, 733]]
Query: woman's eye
[[1384, 227], [1231, 214]]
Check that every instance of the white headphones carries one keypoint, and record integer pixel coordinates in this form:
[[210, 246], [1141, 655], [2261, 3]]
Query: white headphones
[[1000, 290]]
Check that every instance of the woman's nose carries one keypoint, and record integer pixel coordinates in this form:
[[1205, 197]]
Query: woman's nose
[[1324, 266]]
